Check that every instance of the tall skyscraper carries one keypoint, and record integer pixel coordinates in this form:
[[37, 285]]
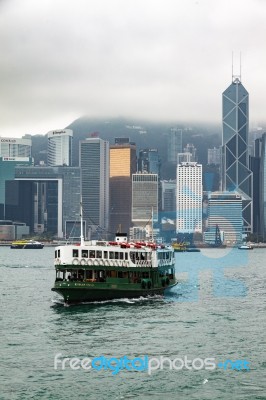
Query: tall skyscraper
[[60, 148], [190, 148], [184, 157], [214, 156], [94, 163], [236, 175], [174, 144], [225, 210], [123, 164], [144, 198], [149, 161], [169, 197], [263, 186], [189, 197]]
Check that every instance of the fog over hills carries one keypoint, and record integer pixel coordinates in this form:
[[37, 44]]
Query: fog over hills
[[146, 134]]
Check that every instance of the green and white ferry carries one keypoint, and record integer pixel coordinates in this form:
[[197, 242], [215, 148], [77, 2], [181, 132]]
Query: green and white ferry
[[102, 270]]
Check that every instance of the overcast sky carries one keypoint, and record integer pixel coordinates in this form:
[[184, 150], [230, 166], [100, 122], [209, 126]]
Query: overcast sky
[[149, 59]]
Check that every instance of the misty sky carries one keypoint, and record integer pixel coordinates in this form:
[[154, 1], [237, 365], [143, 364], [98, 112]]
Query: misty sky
[[165, 60]]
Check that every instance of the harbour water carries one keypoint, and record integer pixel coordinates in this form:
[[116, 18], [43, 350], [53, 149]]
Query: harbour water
[[218, 310]]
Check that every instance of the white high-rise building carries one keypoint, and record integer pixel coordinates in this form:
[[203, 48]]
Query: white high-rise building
[[189, 197], [60, 147], [15, 147]]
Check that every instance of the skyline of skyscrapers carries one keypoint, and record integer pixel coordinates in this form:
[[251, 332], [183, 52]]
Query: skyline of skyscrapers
[[109, 174]]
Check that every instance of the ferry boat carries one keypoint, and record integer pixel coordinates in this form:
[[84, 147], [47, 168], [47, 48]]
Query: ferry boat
[[179, 247], [26, 244], [245, 247], [102, 270]]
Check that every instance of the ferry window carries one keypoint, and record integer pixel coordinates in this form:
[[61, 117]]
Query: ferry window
[[98, 254], [116, 255], [55, 254], [75, 253], [92, 253], [132, 256], [105, 254], [89, 274], [121, 255], [58, 253], [84, 253], [126, 256], [111, 255]]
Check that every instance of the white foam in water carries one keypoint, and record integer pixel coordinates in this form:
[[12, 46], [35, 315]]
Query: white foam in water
[[56, 301], [122, 300]]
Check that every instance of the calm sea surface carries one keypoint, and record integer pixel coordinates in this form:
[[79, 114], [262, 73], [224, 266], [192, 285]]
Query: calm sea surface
[[218, 310]]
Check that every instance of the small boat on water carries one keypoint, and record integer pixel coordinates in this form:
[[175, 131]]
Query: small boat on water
[[192, 249], [182, 247], [179, 247], [245, 247], [26, 244]]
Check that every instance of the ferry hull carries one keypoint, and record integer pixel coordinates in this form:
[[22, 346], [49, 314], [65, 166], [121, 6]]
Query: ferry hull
[[82, 294]]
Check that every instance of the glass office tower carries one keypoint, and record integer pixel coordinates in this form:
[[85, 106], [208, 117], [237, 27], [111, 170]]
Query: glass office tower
[[94, 163], [263, 186], [122, 165], [236, 175]]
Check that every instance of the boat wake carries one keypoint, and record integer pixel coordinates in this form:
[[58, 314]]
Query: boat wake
[[57, 302], [127, 300], [124, 300]]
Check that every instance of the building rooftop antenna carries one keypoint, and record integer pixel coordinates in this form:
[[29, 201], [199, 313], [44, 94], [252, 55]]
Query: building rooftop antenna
[[240, 66], [236, 78], [232, 66]]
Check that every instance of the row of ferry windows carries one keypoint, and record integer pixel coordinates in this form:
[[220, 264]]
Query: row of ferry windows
[[114, 255]]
